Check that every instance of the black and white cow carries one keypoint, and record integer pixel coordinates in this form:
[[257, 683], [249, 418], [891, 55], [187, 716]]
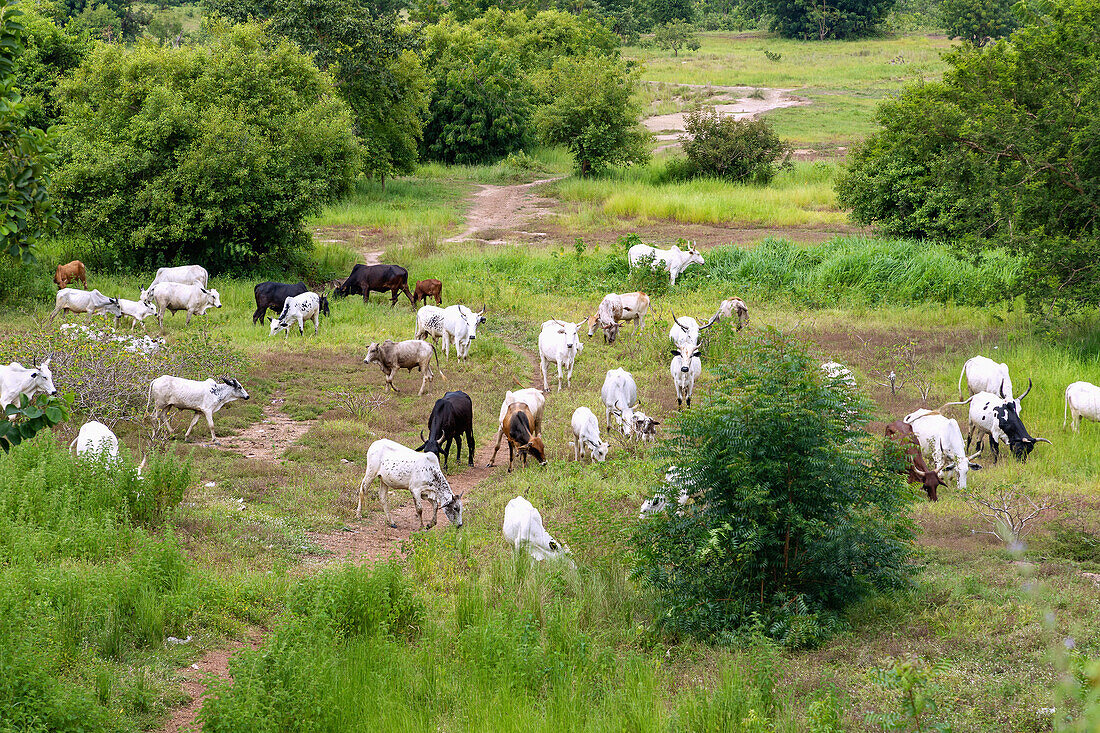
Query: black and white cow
[[998, 417], [451, 418]]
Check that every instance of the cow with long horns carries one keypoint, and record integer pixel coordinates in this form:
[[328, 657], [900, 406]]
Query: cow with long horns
[[998, 417]]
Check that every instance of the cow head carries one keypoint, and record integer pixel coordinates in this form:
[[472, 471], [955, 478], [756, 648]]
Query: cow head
[[535, 449], [453, 510], [215, 299], [693, 256], [236, 390], [932, 480], [278, 324], [645, 425], [42, 380], [374, 353], [112, 308], [322, 303], [1019, 440], [625, 416], [569, 331], [610, 332]]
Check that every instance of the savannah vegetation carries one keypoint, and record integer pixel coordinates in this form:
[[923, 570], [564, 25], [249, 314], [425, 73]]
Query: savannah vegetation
[[879, 610]]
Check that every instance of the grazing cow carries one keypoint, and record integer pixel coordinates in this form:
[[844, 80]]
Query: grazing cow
[[273, 295], [660, 499], [999, 418], [586, 435], [918, 472], [674, 260], [136, 310], [519, 428], [173, 297], [412, 354], [95, 439], [535, 401], [16, 379], [377, 278], [685, 370], [645, 427], [203, 398], [70, 273], [523, 529], [728, 307], [184, 275], [985, 375], [634, 308], [1082, 400], [559, 343], [608, 315], [399, 467], [619, 394], [684, 333], [92, 302], [452, 416], [941, 440], [428, 289], [300, 308]]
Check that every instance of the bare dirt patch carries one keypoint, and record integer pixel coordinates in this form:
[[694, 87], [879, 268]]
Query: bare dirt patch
[[266, 440], [506, 212], [365, 240], [214, 663]]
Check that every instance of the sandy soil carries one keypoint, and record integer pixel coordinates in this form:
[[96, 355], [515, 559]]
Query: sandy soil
[[498, 210], [266, 440], [216, 663]]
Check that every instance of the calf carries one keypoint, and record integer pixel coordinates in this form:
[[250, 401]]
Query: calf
[[378, 278], [674, 260], [918, 472], [300, 308], [173, 297], [619, 394], [1082, 400], [184, 275], [92, 302], [727, 308], [16, 380], [586, 436], [518, 427], [535, 401], [985, 375], [273, 295], [645, 427], [685, 370], [941, 440], [136, 310], [523, 529], [70, 273], [559, 343], [428, 289], [412, 354], [203, 398], [999, 418], [399, 467], [452, 416]]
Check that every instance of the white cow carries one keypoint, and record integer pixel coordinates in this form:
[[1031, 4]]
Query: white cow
[[92, 302], [634, 308], [586, 435], [941, 442], [300, 308], [194, 299], [203, 398], [137, 310], [95, 439], [685, 332], [985, 375], [399, 467], [619, 394], [559, 343], [535, 401], [1082, 400], [674, 260], [523, 529], [727, 308], [685, 370], [462, 337], [660, 499], [184, 274], [16, 379]]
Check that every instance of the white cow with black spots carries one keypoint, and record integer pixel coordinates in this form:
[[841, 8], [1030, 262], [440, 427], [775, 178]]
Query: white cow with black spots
[[203, 398], [298, 308], [399, 467]]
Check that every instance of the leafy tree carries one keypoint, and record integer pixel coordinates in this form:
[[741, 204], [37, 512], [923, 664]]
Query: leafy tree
[[663, 12], [26, 209], [676, 35], [821, 19], [112, 20], [978, 21], [737, 150], [587, 107], [210, 154], [49, 54], [165, 26], [1004, 149], [797, 512]]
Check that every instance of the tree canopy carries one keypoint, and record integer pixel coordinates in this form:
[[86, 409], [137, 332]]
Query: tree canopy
[[822, 19]]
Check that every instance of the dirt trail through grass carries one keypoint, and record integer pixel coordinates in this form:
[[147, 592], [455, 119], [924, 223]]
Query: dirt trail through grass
[[500, 213], [266, 440]]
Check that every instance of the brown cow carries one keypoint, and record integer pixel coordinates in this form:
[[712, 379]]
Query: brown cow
[[428, 288], [70, 273], [918, 472], [517, 428]]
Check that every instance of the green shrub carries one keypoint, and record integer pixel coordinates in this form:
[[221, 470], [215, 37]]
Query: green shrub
[[978, 21], [732, 149], [808, 20], [799, 514]]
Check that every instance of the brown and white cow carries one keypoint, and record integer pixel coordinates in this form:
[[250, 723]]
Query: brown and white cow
[[410, 354], [518, 427], [918, 472]]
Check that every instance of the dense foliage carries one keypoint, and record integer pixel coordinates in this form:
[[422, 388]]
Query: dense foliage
[[796, 512], [676, 35], [978, 21], [820, 19], [736, 150], [49, 54], [28, 417], [1003, 149], [213, 154]]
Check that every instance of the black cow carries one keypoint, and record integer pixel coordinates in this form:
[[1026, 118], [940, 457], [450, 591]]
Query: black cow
[[452, 415], [273, 295], [378, 278]]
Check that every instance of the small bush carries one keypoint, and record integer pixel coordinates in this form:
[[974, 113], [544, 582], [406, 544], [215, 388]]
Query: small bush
[[735, 150]]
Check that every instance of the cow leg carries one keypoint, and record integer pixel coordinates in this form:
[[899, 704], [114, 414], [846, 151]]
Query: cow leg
[[194, 421], [490, 464], [969, 437], [511, 455], [316, 321], [55, 312], [545, 382], [447, 449], [389, 380], [188, 322], [577, 450], [994, 448], [435, 511], [394, 293], [424, 382], [469, 446], [419, 511], [559, 376]]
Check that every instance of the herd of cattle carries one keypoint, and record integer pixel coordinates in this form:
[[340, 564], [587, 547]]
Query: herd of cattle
[[925, 436]]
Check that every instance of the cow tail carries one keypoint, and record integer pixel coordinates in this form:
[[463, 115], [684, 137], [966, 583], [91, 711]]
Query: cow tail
[[149, 401], [961, 375], [437, 367], [1065, 407]]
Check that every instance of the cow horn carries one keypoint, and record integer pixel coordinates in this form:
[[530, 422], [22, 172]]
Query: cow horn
[[920, 473], [710, 323], [971, 458], [1001, 389], [1021, 397], [1043, 440], [677, 321], [480, 312], [422, 438]]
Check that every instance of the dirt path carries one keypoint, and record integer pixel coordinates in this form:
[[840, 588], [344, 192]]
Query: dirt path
[[504, 210], [184, 719], [266, 440], [729, 102]]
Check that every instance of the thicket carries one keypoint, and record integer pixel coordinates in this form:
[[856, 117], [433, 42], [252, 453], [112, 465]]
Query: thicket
[[978, 21], [821, 20], [797, 514], [732, 149], [214, 154], [1001, 152]]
